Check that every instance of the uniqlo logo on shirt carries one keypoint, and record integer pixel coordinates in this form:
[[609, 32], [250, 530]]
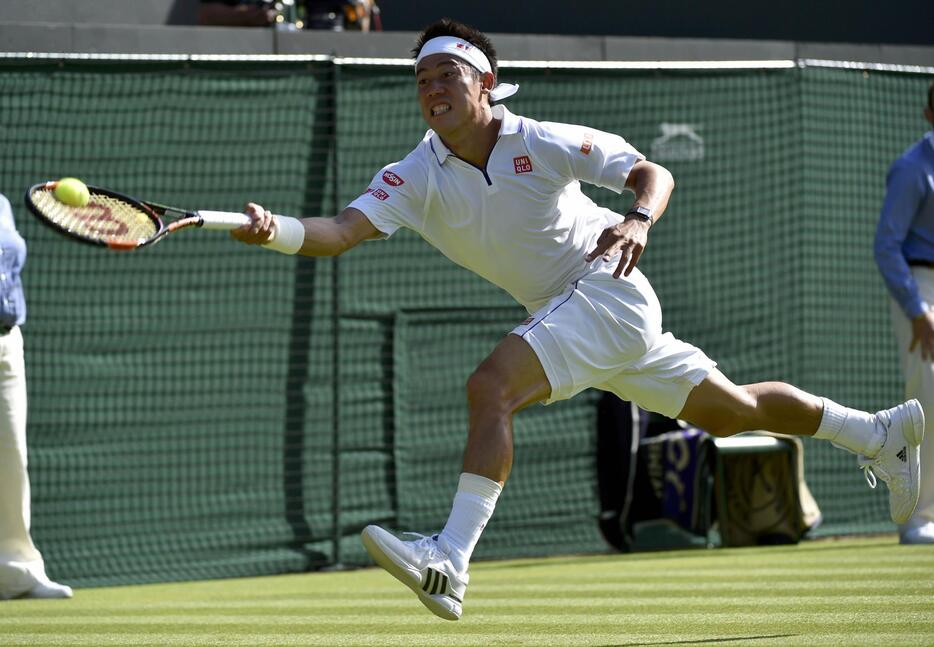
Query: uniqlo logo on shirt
[[523, 164], [379, 194]]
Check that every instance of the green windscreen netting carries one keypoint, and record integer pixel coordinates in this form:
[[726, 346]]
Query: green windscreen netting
[[204, 409]]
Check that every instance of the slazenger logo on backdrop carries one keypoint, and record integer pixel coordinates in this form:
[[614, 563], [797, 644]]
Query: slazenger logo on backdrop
[[523, 164], [678, 143], [391, 178]]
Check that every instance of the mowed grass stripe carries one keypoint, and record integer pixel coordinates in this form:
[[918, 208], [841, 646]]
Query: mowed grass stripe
[[720, 573], [746, 638], [553, 601], [778, 616], [690, 588], [732, 597]]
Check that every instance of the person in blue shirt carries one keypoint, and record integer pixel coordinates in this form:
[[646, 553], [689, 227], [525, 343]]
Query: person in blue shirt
[[22, 570], [904, 251]]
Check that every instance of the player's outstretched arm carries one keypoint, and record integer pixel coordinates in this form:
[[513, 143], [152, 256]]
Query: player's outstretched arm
[[306, 236]]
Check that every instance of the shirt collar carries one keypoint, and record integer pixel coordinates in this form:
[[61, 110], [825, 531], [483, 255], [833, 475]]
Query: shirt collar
[[509, 124], [930, 137]]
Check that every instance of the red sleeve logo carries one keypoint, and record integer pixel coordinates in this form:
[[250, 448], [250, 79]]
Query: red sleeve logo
[[391, 178], [379, 194], [588, 143], [523, 164]]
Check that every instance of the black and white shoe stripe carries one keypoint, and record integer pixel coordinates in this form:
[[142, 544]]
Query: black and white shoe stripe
[[436, 583]]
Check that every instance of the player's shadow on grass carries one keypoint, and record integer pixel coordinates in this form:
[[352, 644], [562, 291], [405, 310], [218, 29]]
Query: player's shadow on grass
[[702, 642]]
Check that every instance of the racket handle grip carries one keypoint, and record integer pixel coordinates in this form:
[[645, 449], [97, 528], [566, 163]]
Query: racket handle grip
[[223, 220]]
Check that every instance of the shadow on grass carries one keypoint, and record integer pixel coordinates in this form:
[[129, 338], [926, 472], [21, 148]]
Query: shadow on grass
[[702, 642]]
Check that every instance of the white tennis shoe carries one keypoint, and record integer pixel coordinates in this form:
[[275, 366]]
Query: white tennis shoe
[[923, 534], [898, 463], [422, 566], [48, 590]]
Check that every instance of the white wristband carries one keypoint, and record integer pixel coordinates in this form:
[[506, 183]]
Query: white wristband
[[289, 236]]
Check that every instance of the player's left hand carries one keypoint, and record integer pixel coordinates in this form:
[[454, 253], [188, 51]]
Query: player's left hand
[[628, 239]]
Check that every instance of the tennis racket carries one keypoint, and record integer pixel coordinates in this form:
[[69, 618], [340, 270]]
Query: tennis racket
[[120, 222]]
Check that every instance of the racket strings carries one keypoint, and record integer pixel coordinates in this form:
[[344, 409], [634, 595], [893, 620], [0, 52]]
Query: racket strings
[[105, 218]]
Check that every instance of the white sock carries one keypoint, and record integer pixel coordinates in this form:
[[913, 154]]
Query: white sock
[[850, 429], [473, 506]]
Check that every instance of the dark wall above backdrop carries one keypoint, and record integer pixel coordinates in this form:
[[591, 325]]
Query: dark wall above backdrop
[[906, 22], [857, 21]]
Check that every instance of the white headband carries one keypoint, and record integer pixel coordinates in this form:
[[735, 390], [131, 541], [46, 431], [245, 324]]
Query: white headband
[[466, 52]]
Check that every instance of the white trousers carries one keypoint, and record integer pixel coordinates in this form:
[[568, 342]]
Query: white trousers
[[919, 383], [21, 566]]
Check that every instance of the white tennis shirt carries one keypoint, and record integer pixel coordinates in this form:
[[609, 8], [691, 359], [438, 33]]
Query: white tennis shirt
[[522, 222]]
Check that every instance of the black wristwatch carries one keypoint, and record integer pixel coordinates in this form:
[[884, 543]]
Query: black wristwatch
[[642, 213]]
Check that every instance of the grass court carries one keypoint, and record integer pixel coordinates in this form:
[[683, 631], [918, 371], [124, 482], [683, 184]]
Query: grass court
[[854, 591]]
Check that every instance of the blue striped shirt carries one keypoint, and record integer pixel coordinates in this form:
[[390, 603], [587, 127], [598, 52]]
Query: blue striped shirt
[[906, 225], [12, 259]]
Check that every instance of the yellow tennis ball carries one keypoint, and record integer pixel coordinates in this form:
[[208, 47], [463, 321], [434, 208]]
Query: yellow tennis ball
[[72, 191]]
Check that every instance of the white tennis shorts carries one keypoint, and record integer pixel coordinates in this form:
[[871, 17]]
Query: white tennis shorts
[[607, 333]]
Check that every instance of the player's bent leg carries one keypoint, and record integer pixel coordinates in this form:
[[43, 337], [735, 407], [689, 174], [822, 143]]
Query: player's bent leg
[[887, 442], [435, 568], [723, 408], [508, 380]]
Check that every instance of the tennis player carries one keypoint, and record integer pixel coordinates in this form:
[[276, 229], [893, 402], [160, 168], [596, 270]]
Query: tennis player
[[500, 195]]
